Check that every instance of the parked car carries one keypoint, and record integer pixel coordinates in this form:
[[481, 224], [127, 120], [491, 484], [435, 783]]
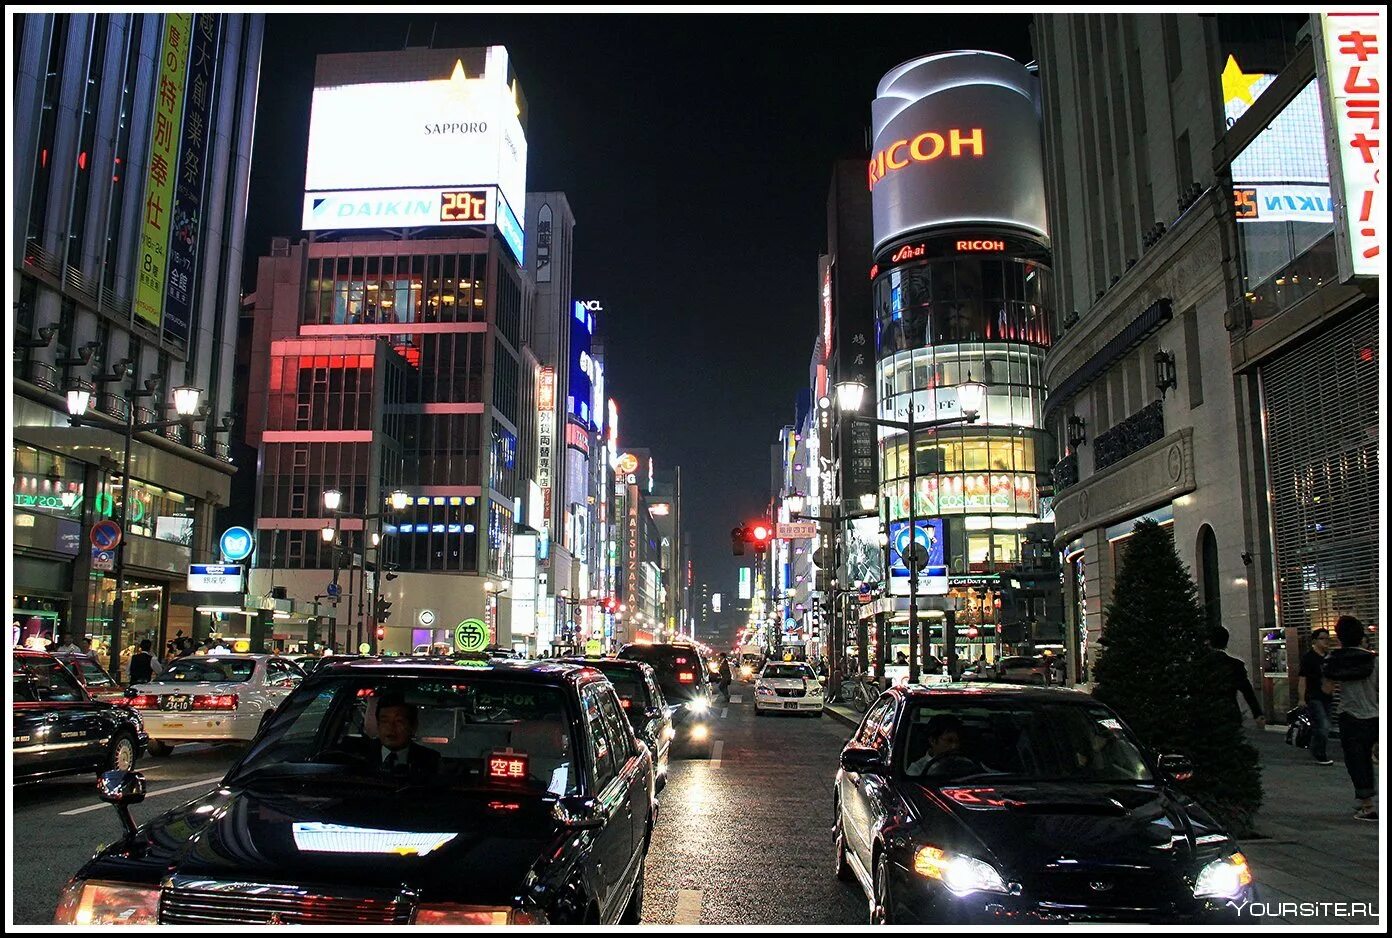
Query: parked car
[[212, 698], [998, 804], [92, 676], [788, 687], [60, 729], [521, 796], [1019, 669], [682, 675], [648, 712]]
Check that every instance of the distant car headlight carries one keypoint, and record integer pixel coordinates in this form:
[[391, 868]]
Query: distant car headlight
[[95, 902], [1223, 878], [960, 874], [699, 705]]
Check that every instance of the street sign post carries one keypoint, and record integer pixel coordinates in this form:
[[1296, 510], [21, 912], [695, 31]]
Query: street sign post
[[215, 578], [236, 544], [104, 560], [796, 530], [106, 535]]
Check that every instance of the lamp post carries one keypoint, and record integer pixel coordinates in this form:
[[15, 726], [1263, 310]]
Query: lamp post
[[490, 592], [186, 405], [969, 398], [333, 502]]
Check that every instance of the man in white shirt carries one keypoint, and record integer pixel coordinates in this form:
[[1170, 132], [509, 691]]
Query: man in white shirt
[[67, 645]]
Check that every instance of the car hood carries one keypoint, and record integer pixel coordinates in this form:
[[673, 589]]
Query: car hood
[[447, 845], [1028, 827]]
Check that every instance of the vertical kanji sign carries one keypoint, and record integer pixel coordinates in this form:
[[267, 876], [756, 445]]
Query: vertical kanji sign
[[188, 188], [1352, 70], [160, 177]]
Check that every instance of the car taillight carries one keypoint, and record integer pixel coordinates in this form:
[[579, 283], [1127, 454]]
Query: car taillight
[[461, 915], [143, 702], [686, 677], [215, 701], [625, 703]]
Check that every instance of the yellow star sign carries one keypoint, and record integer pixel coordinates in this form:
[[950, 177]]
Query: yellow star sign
[[1236, 85]]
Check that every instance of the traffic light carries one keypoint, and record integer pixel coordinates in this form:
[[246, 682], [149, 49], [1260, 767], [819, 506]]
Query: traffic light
[[381, 633], [383, 612], [737, 541], [760, 534]]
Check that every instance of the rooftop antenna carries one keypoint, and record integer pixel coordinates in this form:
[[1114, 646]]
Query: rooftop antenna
[[433, 27], [407, 43]]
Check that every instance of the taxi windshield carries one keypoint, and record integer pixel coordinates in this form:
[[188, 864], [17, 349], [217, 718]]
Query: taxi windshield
[[788, 670], [431, 732], [208, 671]]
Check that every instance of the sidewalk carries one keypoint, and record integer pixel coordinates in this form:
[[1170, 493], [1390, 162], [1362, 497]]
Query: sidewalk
[[1308, 848]]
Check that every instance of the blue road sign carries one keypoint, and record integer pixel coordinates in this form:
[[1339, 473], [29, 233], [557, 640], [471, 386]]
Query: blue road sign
[[236, 544], [334, 590], [106, 535]]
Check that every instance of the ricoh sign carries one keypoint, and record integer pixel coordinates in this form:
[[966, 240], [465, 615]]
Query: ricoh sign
[[956, 143]]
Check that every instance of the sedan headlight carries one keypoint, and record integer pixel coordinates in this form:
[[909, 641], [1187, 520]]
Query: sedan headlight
[[699, 705], [94, 902], [814, 691], [961, 874], [449, 914], [766, 691], [1223, 878]]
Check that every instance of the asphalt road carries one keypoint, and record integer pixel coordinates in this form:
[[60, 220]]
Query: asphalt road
[[746, 839], [58, 824], [742, 838]]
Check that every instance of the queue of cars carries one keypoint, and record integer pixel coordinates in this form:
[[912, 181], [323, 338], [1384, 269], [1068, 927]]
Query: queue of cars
[[431, 790]]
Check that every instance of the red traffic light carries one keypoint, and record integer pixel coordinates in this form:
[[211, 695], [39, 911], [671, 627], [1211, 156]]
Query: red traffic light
[[760, 533], [381, 633]]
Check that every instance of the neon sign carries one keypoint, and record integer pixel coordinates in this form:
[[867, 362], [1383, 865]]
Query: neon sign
[[926, 147], [908, 252], [981, 245]]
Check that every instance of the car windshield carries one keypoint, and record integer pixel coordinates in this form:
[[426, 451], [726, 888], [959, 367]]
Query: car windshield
[[950, 740], [633, 693], [789, 670], [208, 671], [450, 732]]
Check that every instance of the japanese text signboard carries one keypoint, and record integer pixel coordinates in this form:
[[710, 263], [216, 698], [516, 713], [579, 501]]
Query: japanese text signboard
[[160, 177], [1349, 65], [188, 187]]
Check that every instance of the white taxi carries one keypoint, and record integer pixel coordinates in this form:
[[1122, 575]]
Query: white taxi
[[212, 698], [787, 687]]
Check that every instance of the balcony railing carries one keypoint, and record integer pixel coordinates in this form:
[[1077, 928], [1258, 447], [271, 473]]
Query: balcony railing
[[1133, 434], [113, 405], [1065, 472]]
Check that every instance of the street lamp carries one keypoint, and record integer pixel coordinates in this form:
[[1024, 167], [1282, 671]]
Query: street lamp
[[400, 500], [867, 501], [849, 395], [332, 499], [328, 532], [79, 395], [795, 503]]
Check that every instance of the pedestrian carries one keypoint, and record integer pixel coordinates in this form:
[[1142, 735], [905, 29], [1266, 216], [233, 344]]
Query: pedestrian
[[901, 658], [1354, 669], [725, 678], [1230, 674], [1317, 702], [67, 645], [144, 665]]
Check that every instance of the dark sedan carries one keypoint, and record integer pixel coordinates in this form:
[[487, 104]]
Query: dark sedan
[[642, 700], [400, 791], [964, 804], [682, 674], [59, 729]]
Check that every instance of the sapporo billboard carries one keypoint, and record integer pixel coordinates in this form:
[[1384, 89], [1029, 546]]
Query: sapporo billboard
[[956, 143], [439, 119]]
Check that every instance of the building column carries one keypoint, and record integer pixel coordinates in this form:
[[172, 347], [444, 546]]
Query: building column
[[80, 608]]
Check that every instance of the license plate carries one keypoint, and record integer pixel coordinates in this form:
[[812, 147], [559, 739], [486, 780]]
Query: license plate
[[177, 702], [790, 706]]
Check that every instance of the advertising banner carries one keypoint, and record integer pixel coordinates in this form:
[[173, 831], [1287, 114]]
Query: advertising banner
[[864, 554], [956, 141], [399, 208], [160, 177], [438, 118], [543, 249], [932, 579], [188, 189], [1348, 63]]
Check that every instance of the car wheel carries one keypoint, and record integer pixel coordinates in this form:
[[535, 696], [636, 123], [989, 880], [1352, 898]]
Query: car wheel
[[633, 912], [882, 907], [158, 748], [843, 866], [122, 755]]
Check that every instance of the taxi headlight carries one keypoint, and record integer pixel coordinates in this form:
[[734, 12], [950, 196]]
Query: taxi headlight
[[960, 874], [699, 705], [1223, 878], [95, 902], [815, 691], [451, 914], [761, 689]]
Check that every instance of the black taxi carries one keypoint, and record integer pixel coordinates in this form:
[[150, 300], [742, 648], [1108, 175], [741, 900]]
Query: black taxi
[[60, 729], [400, 791]]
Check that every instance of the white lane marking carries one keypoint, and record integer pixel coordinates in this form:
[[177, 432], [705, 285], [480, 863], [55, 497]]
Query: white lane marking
[[724, 713], [688, 906], [736, 698], [716, 750], [149, 794]]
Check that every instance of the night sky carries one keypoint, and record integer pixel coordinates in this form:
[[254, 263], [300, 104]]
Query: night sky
[[696, 153]]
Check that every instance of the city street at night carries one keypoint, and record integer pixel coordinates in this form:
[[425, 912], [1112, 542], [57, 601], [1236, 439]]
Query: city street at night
[[703, 468]]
